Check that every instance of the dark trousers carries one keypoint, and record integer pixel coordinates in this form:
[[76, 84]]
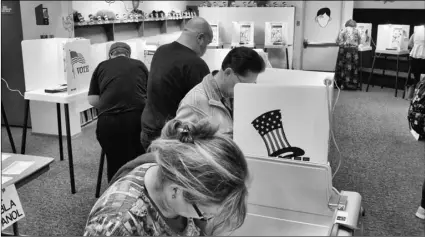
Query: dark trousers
[[148, 135], [119, 137], [423, 195]]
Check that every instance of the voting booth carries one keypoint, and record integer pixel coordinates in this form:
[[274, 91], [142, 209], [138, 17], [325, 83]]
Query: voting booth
[[282, 126], [52, 62], [276, 34], [298, 200], [243, 34], [393, 37], [365, 30], [290, 122], [216, 40]]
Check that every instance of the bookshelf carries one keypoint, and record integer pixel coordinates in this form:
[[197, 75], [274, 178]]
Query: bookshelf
[[88, 116], [104, 31]]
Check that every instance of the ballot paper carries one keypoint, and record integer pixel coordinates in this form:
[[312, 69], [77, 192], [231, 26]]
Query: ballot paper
[[4, 156], [4, 179], [17, 167]]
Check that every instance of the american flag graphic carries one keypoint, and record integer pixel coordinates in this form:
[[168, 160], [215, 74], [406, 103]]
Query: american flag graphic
[[269, 126], [77, 58]]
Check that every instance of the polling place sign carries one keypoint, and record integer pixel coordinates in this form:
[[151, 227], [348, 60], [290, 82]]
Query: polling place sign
[[11, 207]]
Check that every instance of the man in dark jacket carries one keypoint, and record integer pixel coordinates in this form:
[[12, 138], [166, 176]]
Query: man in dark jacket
[[118, 91], [175, 69]]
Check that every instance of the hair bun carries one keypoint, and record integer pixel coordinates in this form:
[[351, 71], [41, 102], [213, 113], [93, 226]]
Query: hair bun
[[185, 135]]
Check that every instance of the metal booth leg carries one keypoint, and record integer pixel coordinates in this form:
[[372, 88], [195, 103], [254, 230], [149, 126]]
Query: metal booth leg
[[69, 145], [58, 110], [6, 123], [24, 130]]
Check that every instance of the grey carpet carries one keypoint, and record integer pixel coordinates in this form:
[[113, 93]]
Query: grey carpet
[[381, 161]]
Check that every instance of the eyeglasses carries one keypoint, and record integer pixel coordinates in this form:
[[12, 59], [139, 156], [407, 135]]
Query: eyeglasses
[[200, 214]]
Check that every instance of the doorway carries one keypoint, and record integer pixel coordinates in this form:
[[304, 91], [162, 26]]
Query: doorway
[[322, 22], [12, 69]]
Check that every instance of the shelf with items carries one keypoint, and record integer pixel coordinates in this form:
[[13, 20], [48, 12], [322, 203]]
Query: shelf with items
[[104, 31], [88, 116]]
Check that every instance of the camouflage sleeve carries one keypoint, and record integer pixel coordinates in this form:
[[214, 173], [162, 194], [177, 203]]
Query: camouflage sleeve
[[110, 225]]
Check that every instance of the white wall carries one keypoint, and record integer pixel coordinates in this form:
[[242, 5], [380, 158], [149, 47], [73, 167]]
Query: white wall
[[56, 10], [120, 7], [390, 5]]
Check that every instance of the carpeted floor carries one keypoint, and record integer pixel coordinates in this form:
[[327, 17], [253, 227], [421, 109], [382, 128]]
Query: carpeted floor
[[382, 162]]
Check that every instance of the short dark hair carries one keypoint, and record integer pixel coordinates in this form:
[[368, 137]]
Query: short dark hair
[[243, 60], [324, 10]]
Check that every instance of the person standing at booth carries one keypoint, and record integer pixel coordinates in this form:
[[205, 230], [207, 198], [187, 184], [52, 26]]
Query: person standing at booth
[[212, 97], [417, 58], [175, 69], [347, 63], [118, 91]]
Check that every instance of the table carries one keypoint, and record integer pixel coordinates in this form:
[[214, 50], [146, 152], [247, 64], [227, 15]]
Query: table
[[40, 166], [386, 53], [58, 98]]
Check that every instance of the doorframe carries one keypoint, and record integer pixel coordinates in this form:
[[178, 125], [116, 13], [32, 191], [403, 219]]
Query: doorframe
[[347, 8]]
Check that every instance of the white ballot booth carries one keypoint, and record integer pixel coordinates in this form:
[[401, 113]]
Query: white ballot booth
[[49, 63], [393, 37], [365, 30], [282, 126], [243, 34]]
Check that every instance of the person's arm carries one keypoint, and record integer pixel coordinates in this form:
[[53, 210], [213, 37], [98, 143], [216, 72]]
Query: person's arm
[[411, 43], [94, 89]]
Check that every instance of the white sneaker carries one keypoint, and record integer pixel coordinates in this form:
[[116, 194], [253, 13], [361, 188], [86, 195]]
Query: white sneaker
[[421, 213]]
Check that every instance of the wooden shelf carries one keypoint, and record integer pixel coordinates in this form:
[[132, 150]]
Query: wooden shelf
[[103, 31]]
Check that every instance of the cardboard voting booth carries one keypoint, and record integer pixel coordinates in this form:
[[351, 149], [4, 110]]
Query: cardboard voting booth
[[276, 34], [51, 62], [393, 37], [148, 55], [289, 122], [298, 200], [214, 58], [243, 34], [365, 30], [216, 40]]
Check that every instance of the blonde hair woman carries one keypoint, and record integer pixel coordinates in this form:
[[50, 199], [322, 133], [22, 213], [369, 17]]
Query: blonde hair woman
[[197, 186], [347, 64]]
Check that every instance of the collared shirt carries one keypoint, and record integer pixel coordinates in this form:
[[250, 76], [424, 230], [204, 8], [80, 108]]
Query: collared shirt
[[125, 209], [206, 101]]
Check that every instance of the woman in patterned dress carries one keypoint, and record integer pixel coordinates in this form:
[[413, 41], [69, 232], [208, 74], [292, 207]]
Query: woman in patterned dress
[[196, 187], [347, 64]]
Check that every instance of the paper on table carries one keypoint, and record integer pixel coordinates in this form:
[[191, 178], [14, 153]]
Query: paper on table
[[17, 167], [4, 179], [4, 156]]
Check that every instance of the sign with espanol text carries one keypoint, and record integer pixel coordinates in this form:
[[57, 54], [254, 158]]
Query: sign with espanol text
[[11, 207], [77, 64]]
